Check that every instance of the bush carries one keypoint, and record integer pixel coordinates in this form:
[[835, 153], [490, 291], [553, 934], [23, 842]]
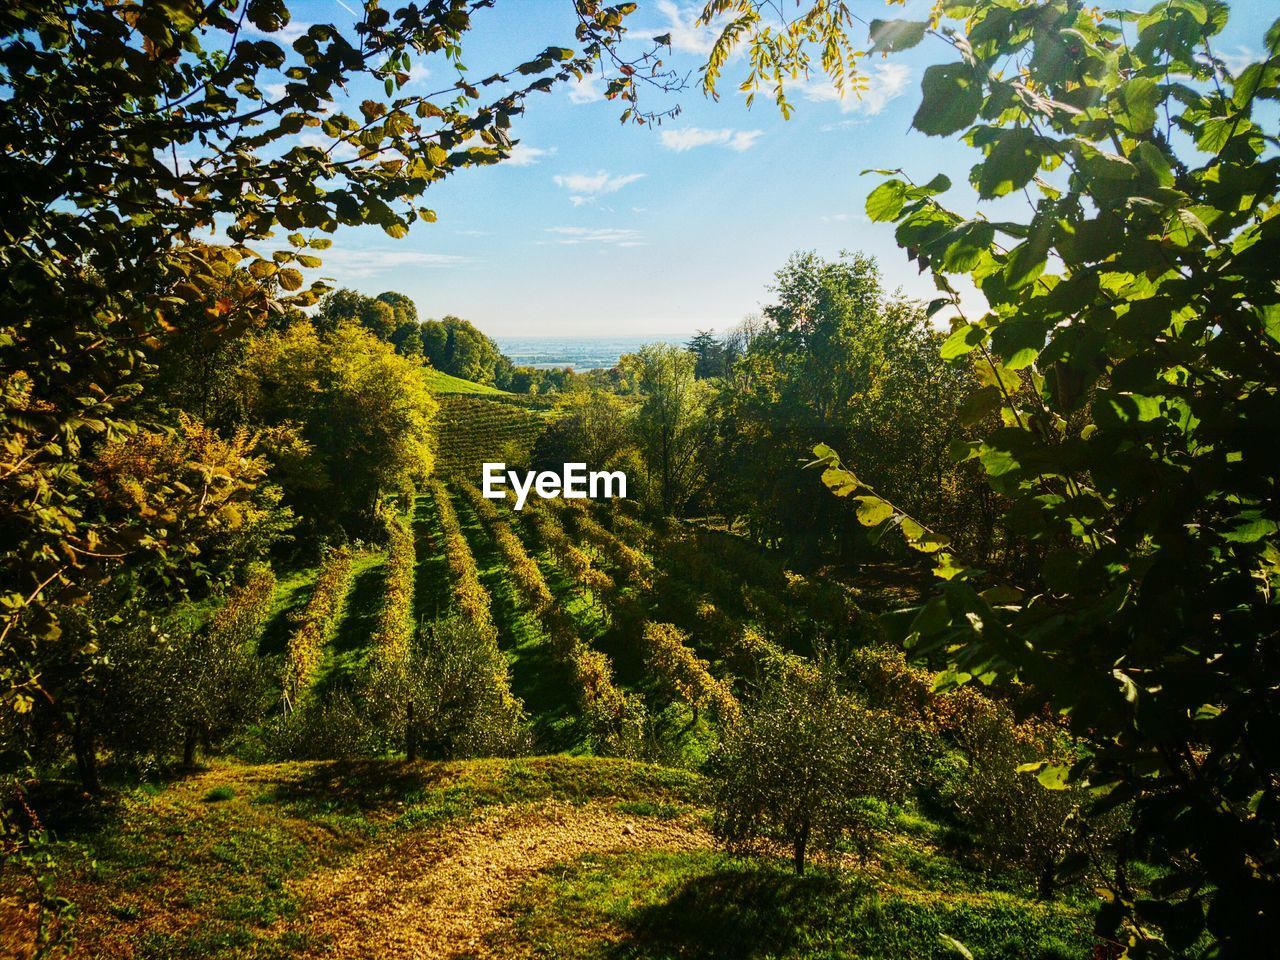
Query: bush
[[796, 766], [462, 706]]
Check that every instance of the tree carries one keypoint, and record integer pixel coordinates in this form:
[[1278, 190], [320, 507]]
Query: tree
[[1130, 349], [709, 354], [455, 346], [362, 413], [839, 360], [670, 424], [796, 765]]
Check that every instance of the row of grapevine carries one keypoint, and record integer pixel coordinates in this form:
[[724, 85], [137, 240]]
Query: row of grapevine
[[628, 562], [474, 429], [242, 618], [523, 568], [569, 557], [469, 594], [393, 637], [666, 650], [615, 717], [316, 622]]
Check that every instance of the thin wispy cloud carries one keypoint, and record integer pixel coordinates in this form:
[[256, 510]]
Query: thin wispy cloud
[[844, 218], [360, 264], [691, 137], [1238, 59], [607, 236], [588, 187], [886, 82], [523, 155]]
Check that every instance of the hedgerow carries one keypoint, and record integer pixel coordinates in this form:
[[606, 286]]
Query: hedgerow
[[469, 595], [391, 639], [523, 568]]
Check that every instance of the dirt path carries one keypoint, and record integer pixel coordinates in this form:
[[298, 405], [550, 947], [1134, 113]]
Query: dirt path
[[436, 897]]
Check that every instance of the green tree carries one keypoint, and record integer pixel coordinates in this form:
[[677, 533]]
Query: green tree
[[363, 413], [709, 353], [796, 766], [1131, 350], [671, 424]]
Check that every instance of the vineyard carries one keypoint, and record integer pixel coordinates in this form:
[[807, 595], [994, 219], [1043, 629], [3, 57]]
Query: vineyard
[[473, 428]]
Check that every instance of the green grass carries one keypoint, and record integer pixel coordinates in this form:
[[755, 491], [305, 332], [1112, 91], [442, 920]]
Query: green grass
[[441, 382], [431, 577], [293, 590], [700, 903], [219, 866]]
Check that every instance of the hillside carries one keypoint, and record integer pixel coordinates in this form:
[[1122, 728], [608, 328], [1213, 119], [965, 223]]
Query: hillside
[[477, 426], [619, 637], [543, 856], [442, 382]]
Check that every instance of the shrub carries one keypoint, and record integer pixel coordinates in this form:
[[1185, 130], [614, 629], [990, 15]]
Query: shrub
[[795, 767]]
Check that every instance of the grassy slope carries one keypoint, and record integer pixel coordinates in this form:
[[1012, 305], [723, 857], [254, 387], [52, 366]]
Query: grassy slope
[[441, 382], [560, 857]]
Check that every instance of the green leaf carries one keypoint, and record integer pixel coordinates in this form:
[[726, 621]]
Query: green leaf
[[951, 101], [872, 511], [890, 36], [840, 482], [1013, 158], [885, 202], [962, 341]]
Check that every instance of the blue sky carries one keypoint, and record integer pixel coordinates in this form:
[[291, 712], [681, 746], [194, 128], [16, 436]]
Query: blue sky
[[595, 229]]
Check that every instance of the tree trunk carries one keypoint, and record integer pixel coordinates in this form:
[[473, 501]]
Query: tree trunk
[[410, 736], [189, 744], [800, 844], [1047, 884], [84, 745]]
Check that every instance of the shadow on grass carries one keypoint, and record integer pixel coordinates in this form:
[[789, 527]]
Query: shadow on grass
[[735, 912], [542, 682], [359, 786]]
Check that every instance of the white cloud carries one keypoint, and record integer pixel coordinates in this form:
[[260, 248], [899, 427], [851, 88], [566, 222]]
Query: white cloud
[[690, 137], [614, 236], [686, 35], [350, 263], [885, 82], [285, 36], [418, 71], [1239, 59], [587, 187], [586, 89], [526, 156], [843, 218]]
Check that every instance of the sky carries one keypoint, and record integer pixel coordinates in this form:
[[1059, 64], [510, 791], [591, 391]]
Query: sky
[[594, 228]]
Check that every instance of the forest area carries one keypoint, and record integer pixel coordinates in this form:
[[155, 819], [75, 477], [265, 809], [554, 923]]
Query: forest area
[[921, 632]]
